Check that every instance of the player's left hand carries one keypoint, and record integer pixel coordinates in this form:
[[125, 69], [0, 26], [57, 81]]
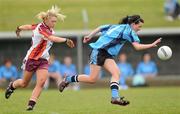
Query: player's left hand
[[18, 32], [157, 42], [70, 43], [86, 39]]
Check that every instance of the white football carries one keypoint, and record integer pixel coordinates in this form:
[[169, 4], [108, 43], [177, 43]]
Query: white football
[[164, 52]]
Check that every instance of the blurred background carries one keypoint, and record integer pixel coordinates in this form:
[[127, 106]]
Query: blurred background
[[139, 68]]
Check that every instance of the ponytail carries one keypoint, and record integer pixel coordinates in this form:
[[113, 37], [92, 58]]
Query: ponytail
[[124, 20], [41, 15]]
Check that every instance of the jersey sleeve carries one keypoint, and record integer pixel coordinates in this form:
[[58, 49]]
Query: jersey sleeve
[[104, 27], [133, 37], [43, 31]]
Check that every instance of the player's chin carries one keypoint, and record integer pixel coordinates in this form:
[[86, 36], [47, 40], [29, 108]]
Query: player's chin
[[52, 26], [138, 30]]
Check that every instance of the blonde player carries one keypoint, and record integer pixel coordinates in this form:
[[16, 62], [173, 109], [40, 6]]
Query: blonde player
[[37, 56]]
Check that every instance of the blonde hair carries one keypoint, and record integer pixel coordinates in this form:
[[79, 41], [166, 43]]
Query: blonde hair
[[54, 11]]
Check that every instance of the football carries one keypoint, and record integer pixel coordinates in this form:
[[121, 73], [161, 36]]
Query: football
[[164, 52]]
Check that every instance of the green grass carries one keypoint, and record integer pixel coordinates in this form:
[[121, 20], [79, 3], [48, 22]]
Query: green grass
[[161, 100], [13, 13]]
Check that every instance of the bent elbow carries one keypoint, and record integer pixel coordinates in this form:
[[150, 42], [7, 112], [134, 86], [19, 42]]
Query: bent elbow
[[52, 39], [137, 48]]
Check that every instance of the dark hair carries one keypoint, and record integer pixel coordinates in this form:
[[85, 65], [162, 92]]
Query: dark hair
[[131, 19], [145, 53], [7, 60]]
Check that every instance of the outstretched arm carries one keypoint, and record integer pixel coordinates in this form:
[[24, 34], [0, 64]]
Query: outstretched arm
[[61, 39], [23, 27], [93, 33], [139, 46]]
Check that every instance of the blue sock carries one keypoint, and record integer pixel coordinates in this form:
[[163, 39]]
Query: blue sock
[[72, 78], [114, 89]]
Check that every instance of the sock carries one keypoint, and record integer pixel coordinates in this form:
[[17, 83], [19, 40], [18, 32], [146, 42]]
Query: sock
[[73, 78], [11, 86], [31, 103], [114, 89]]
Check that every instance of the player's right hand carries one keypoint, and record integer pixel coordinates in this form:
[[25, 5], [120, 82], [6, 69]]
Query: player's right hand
[[18, 32], [70, 43], [86, 39]]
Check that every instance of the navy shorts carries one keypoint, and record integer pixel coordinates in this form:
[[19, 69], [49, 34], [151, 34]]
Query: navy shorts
[[98, 56]]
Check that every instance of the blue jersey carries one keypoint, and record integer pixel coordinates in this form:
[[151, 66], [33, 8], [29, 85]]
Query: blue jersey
[[68, 70], [113, 37], [87, 71], [126, 69], [147, 68], [54, 67], [8, 73]]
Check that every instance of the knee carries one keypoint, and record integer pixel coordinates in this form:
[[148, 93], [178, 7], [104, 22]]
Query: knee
[[92, 80], [41, 83]]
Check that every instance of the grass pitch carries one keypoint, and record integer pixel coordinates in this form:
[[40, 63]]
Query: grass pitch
[[161, 100]]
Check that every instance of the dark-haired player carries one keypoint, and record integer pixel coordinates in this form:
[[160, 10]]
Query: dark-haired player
[[112, 39]]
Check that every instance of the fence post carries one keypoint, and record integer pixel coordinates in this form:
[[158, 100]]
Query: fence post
[[79, 54]]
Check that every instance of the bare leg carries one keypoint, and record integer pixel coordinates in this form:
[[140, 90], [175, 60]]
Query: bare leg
[[112, 68], [23, 82], [92, 78], [18, 83], [94, 73], [41, 79], [46, 85]]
